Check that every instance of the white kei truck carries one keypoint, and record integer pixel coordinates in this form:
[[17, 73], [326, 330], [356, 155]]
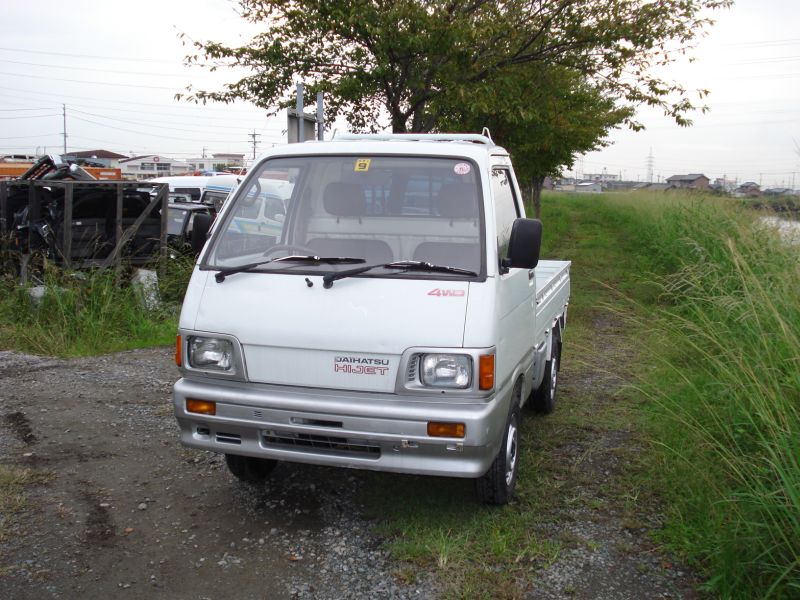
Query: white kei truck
[[389, 313]]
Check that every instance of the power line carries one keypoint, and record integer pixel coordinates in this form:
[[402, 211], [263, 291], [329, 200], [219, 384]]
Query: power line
[[168, 137], [182, 106], [22, 137], [158, 122], [21, 109], [31, 117], [756, 43], [144, 122], [96, 56], [135, 85], [74, 68]]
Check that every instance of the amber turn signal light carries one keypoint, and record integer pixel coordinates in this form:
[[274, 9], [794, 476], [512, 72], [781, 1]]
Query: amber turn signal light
[[456, 430], [179, 350], [486, 372], [203, 407]]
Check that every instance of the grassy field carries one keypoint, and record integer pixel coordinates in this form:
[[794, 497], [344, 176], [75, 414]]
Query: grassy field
[[724, 414]]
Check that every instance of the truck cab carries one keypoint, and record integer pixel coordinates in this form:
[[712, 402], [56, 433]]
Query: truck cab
[[391, 314]]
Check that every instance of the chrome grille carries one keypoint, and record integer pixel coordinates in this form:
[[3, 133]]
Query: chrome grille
[[321, 444]]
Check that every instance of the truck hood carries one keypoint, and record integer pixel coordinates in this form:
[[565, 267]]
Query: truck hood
[[351, 336]]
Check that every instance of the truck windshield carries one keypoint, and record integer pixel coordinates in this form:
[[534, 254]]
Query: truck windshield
[[381, 209]]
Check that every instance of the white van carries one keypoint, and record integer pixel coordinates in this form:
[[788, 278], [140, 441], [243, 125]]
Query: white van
[[395, 316]]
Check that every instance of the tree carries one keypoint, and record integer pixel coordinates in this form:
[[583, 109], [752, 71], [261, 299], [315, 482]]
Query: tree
[[412, 59], [565, 116]]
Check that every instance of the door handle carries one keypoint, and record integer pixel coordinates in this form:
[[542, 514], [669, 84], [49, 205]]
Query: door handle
[[531, 274]]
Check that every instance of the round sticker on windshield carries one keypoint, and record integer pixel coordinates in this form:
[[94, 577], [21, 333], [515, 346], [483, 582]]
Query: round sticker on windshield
[[462, 168]]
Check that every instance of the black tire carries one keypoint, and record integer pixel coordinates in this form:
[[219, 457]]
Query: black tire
[[543, 400], [249, 469], [497, 485]]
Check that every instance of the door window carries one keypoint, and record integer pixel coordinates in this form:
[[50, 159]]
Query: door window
[[505, 209]]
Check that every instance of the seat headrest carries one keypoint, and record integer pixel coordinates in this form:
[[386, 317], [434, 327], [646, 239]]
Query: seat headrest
[[344, 199], [458, 201]]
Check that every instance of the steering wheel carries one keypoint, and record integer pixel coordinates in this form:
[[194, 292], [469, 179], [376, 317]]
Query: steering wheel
[[279, 247]]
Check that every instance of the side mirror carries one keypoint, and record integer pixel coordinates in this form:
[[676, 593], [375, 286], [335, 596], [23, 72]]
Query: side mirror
[[524, 244], [200, 227]]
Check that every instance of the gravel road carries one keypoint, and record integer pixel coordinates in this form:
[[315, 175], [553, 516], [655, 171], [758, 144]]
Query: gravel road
[[129, 513]]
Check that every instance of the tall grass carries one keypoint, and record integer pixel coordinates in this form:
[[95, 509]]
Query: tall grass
[[88, 313], [726, 399]]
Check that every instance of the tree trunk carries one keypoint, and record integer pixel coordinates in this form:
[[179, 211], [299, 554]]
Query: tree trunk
[[536, 196]]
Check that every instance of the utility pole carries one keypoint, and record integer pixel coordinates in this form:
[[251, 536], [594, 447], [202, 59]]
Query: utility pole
[[64, 115], [253, 140], [650, 166], [320, 116], [204, 152]]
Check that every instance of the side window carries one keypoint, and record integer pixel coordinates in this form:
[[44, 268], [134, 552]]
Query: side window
[[505, 209]]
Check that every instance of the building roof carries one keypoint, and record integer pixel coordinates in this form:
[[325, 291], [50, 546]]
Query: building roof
[[689, 177], [96, 154], [137, 157], [144, 156]]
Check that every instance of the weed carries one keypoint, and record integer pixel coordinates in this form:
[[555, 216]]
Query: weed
[[13, 499], [82, 313]]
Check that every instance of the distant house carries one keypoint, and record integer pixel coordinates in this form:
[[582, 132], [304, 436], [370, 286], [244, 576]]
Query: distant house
[[102, 157], [589, 187], [231, 160], [652, 187], [722, 184], [152, 165], [692, 181], [603, 177], [778, 192], [749, 189], [201, 164]]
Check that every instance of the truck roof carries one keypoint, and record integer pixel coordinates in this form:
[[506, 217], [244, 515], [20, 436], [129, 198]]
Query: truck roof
[[468, 145]]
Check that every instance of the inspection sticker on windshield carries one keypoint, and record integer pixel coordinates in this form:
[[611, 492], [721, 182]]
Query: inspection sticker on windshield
[[362, 165], [462, 168]]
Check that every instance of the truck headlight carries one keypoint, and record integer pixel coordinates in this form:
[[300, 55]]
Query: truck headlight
[[210, 353], [446, 370]]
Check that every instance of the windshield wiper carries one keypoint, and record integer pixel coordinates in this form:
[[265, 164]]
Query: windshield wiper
[[342, 260], [405, 265]]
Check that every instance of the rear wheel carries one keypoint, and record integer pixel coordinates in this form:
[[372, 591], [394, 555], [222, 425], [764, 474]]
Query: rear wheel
[[249, 469], [498, 483], [543, 399]]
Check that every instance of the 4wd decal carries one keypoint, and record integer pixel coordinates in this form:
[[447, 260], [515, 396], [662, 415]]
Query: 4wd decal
[[440, 292], [356, 365]]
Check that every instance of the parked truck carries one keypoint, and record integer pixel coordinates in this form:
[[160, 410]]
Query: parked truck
[[390, 313]]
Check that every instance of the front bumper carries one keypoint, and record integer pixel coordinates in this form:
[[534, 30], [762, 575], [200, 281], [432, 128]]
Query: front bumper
[[381, 432]]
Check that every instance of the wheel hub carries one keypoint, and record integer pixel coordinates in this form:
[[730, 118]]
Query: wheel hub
[[511, 451]]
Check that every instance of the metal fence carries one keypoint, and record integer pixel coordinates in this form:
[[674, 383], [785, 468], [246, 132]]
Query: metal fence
[[64, 255]]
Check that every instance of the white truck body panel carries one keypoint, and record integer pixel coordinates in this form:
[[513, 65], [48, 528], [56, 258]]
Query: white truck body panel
[[290, 334]]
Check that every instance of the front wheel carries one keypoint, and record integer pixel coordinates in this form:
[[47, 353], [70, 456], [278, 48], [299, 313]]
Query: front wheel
[[249, 469], [498, 483]]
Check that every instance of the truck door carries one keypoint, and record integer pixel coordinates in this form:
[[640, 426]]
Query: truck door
[[516, 287]]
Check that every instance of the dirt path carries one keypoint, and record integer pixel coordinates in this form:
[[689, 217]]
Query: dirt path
[[129, 513], [598, 513]]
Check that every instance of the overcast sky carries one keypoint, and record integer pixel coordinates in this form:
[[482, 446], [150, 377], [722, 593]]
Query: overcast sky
[[116, 66]]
